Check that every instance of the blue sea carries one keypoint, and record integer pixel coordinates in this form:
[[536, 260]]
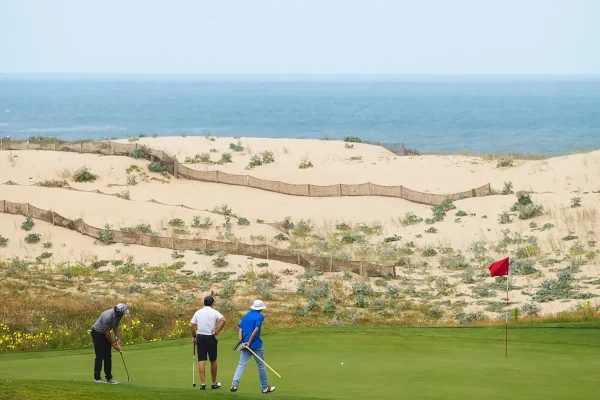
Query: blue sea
[[544, 115]]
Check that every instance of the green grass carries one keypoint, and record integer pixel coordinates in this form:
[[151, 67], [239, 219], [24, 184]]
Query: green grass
[[552, 361]]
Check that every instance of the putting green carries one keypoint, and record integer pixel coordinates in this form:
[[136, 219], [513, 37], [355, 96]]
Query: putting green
[[545, 362]]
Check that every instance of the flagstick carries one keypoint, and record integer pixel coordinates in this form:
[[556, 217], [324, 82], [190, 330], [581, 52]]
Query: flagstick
[[506, 324]]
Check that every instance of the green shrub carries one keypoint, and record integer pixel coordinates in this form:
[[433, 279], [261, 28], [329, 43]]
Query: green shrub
[[440, 210], [255, 161], [3, 241], [353, 139], [507, 189], [281, 236], [343, 227], [531, 309], [47, 245], [177, 223], [504, 218], [461, 213], [504, 162], [227, 289], [267, 157], [525, 207], [576, 202], [138, 153], [156, 167], [432, 229], [410, 219], [226, 158], [329, 306], [243, 221], [305, 163], [303, 228], [33, 238], [106, 236], [454, 261], [522, 266], [28, 224], [84, 174], [236, 147], [140, 228], [391, 239], [429, 252], [220, 260]]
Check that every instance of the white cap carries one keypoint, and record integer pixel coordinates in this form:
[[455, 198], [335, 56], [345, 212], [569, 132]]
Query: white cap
[[258, 305]]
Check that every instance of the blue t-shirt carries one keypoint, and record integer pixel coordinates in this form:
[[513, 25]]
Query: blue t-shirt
[[252, 320]]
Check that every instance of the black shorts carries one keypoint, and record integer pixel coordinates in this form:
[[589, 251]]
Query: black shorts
[[207, 344]]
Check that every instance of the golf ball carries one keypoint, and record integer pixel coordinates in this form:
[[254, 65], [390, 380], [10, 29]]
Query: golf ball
[[342, 363]]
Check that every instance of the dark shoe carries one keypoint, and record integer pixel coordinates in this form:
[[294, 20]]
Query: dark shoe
[[203, 387], [215, 385], [269, 389], [233, 389]]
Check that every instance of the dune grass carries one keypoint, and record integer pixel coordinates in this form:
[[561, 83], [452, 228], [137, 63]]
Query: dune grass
[[554, 361]]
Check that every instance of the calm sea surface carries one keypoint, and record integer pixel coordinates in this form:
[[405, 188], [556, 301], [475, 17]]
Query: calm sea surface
[[537, 116]]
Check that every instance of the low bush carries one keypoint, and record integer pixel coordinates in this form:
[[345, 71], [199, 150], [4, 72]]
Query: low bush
[[156, 167], [84, 174]]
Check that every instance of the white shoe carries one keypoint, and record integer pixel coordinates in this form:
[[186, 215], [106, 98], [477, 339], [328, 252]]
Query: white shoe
[[112, 381], [269, 389], [98, 381]]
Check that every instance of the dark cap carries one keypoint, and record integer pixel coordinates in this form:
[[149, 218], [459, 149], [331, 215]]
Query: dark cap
[[209, 300]]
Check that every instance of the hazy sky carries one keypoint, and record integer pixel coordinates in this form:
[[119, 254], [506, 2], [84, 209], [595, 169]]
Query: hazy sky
[[302, 36]]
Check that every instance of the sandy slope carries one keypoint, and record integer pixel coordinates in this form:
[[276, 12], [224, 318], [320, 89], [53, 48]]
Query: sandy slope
[[554, 182]]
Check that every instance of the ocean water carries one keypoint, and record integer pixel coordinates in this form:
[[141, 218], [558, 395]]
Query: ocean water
[[542, 116]]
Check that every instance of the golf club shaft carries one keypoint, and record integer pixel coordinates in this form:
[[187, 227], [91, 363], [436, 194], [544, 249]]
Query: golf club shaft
[[125, 365], [255, 355], [194, 366]]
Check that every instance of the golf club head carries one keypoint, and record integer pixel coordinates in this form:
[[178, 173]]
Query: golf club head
[[239, 347]]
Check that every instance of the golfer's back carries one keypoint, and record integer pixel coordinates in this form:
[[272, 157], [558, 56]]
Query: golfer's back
[[252, 320]]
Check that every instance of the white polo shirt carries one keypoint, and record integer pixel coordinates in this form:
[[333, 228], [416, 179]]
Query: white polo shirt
[[206, 319]]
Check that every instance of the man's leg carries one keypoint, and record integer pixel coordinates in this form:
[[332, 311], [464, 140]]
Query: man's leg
[[107, 359], [212, 356], [202, 371], [99, 351], [262, 370], [239, 371], [213, 371]]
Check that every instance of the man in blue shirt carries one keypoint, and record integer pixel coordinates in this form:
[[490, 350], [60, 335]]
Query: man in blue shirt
[[250, 328]]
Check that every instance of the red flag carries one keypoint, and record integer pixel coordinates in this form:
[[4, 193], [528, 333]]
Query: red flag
[[499, 268]]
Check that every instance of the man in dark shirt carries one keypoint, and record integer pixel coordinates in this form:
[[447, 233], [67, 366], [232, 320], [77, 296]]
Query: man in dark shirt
[[103, 341], [249, 330]]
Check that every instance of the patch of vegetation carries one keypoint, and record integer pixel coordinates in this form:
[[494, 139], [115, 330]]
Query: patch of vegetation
[[429, 252], [505, 162], [106, 236], [522, 266], [3, 241], [461, 213], [570, 237], [560, 288], [391, 239], [140, 228], [530, 309], [33, 238], [220, 260], [243, 221], [84, 174], [432, 229], [303, 228], [454, 261], [223, 210], [525, 206], [236, 146], [305, 163], [48, 245], [343, 227], [203, 158], [353, 139], [28, 224], [177, 223], [156, 167], [410, 219], [281, 237], [507, 189], [440, 210], [138, 153], [504, 218], [54, 183], [576, 202]]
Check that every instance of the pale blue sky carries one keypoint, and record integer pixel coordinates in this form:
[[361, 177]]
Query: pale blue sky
[[303, 36]]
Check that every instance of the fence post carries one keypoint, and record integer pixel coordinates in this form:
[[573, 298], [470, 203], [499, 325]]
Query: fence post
[[3, 205], [330, 264], [340, 190], [27, 144], [141, 237], [267, 251], [298, 254], [361, 268], [237, 247], [217, 176], [54, 144], [401, 191], [27, 208], [308, 189], [402, 149], [370, 189], [175, 168], [473, 194], [80, 147], [53, 215], [173, 242]]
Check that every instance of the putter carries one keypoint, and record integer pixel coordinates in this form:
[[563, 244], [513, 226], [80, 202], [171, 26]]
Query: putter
[[194, 366], [239, 348], [128, 380]]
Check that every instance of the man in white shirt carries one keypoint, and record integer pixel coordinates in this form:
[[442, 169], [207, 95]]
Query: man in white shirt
[[204, 331]]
